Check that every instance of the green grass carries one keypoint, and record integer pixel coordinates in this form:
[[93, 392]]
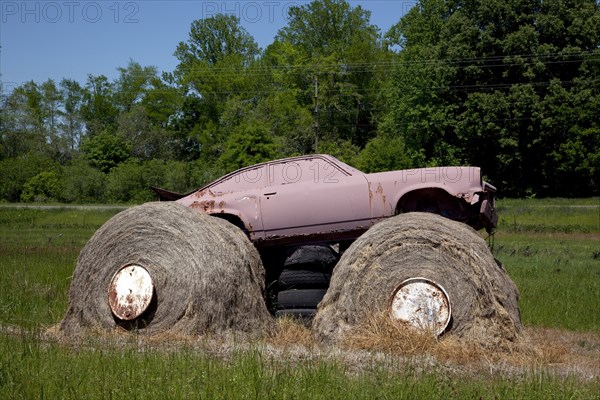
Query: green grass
[[38, 253], [54, 227], [29, 369], [550, 215], [551, 249], [552, 254], [558, 279]]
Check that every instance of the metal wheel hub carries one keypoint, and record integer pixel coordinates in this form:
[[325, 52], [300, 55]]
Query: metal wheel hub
[[130, 292], [423, 304]]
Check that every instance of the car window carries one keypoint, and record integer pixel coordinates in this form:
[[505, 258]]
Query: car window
[[314, 170], [251, 178]]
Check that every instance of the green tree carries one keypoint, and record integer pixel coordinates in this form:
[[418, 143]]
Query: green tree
[[98, 109], [131, 86], [162, 102], [130, 181], [23, 129], [83, 183], [387, 154], [479, 82], [105, 150], [249, 143], [72, 122], [214, 66], [43, 187], [17, 171], [330, 50], [147, 141], [32, 114]]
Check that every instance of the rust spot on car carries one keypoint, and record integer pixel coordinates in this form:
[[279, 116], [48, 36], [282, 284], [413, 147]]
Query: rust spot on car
[[207, 192], [205, 205], [380, 192]]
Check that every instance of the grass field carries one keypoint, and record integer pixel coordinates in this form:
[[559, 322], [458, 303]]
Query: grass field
[[549, 247]]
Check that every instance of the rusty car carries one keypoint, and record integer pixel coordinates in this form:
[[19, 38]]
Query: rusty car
[[302, 212], [318, 198]]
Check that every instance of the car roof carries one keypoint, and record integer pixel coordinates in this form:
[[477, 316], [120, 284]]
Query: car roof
[[345, 168]]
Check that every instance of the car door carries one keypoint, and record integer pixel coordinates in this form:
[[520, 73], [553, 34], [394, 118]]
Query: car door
[[313, 195]]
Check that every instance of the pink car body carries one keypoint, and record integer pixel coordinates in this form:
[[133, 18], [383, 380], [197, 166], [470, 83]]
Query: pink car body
[[318, 198]]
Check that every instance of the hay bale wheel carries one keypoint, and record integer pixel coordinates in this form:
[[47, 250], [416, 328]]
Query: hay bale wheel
[[483, 299], [191, 274]]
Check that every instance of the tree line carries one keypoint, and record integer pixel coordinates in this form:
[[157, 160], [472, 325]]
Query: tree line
[[510, 86]]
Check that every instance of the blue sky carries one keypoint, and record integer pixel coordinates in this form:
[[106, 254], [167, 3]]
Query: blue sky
[[70, 38]]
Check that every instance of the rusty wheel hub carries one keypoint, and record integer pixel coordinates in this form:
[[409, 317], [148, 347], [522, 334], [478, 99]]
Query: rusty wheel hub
[[423, 304], [130, 292]]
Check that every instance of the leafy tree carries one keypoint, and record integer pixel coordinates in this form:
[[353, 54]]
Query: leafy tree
[[51, 102], [213, 67], [330, 50], [72, 122], [478, 82], [162, 102], [43, 187], [178, 177], [130, 181], [18, 170], [248, 144], [387, 154], [98, 110], [15, 139], [24, 129], [291, 124], [105, 150], [214, 40], [126, 183], [147, 142], [83, 184], [133, 83], [31, 120], [344, 150]]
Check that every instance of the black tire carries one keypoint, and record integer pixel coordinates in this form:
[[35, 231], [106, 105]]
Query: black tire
[[206, 275], [316, 258], [300, 299], [483, 298], [303, 279]]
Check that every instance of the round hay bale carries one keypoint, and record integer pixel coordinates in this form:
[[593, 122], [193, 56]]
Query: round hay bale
[[483, 298], [207, 276]]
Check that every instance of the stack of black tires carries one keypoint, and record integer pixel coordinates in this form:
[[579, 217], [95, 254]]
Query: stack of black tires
[[304, 280]]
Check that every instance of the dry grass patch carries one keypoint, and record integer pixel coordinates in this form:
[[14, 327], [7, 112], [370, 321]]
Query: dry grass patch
[[290, 332], [560, 351], [560, 347], [381, 333]]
